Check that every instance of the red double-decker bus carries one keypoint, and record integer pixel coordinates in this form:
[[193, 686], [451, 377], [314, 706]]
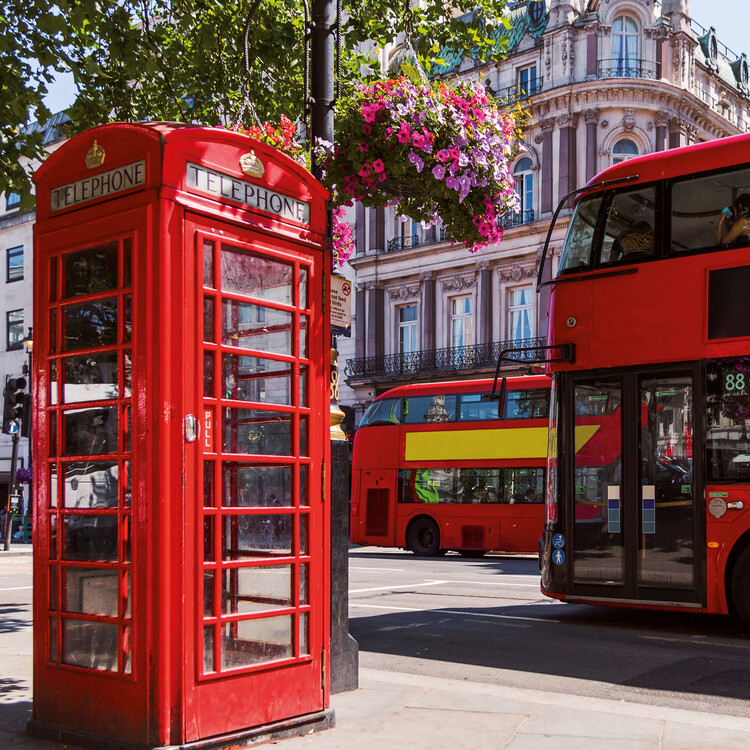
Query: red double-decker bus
[[447, 466], [649, 343]]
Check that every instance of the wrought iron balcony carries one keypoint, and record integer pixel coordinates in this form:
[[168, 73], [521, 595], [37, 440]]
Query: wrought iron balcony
[[618, 68], [517, 218], [519, 92], [478, 356], [403, 243]]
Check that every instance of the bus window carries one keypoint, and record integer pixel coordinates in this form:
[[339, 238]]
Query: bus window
[[629, 232], [430, 409], [523, 485], [728, 419], [476, 407], [532, 403], [576, 255], [382, 411], [698, 205]]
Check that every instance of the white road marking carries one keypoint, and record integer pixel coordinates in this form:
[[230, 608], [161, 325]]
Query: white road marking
[[453, 612], [18, 588], [392, 570], [404, 586]]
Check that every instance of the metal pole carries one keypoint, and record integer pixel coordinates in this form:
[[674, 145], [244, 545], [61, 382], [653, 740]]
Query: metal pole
[[322, 67], [11, 491]]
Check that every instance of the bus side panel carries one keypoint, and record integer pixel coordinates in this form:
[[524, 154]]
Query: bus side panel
[[376, 517], [521, 526], [732, 509]]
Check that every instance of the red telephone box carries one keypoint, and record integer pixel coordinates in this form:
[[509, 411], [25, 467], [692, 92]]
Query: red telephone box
[[181, 525]]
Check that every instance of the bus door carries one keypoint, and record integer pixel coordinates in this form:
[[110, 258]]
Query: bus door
[[634, 487], [377, 519]]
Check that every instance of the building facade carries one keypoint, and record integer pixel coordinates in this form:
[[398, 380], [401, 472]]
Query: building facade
[[602, 81], [16, 299]]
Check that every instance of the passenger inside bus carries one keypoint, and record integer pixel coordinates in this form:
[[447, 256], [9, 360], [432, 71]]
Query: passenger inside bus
[[734, 224], [637, 240]]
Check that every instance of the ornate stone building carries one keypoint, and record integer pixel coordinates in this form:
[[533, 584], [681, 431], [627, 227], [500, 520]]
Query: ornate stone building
[[603, 81]]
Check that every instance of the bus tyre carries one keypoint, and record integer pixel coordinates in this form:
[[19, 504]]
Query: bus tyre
[[741, 586], [423, 537]]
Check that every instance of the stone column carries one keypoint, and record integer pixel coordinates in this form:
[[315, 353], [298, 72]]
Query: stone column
[[427, 322], [592, 120], [662, 119], [546, 187], [567, 161], [484, 294], [360, 322]]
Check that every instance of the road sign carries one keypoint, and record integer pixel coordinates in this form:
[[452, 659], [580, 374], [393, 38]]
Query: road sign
[[558, 557], [558, 541]]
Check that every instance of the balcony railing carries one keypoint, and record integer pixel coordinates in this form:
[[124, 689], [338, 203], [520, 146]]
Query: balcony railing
[[617, 68], [516, 219], [519, 92], [478, 356], [507, 220]]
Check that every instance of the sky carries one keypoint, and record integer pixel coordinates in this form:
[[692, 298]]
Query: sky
[[730, 18]]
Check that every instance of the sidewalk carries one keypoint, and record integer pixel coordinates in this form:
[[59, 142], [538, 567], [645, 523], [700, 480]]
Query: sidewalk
[[398, 710]]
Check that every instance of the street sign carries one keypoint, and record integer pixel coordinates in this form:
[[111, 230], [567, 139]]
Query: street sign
[[11, 427], [14, 503], [341, 306]]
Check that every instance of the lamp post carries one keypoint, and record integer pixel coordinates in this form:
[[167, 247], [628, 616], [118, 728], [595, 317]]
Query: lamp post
[[28, 345]]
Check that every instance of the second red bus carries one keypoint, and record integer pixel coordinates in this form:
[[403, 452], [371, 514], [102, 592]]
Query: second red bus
[[447, 466]]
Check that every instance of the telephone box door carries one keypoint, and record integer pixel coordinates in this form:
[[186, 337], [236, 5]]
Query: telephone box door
[[259, 609]]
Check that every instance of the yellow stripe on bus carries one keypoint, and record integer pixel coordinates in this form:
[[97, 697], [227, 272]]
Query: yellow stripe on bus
[[464, 445]]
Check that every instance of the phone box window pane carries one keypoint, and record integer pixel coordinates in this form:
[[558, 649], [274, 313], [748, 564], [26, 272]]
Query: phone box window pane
[[90, 431], [91, 377], [53, 331], [126, 484], [303, 498], [262, 329], [209, 524], [304, 634], [304, 587], [125, 594], [127, 650], [127, 261], [53, 486], [258, 641], [91, 591], [53, 639], [90, 324], [208, 375], [245, 272], [303, 443], [304, 323], [209, 329], [208, 593], [53, 385], [53, 434], [125, 532], [304, 546], [208, 264], [127, 324], [253, 485], [208, 649], [53, 588], [90, 484], [53, 537], [127, 373], [90, 271], [89, 644], [208, 484], [90, 537], [255, 379], [303, 277], [248, 590], [257, 432], [247, 537], [303, 386]]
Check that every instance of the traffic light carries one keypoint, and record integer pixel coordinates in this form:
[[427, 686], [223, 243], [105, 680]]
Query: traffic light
[[14, 403]]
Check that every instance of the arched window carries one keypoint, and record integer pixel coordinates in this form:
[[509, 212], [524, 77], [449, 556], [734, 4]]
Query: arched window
[[625, 47], [623, 150], [525, 188]]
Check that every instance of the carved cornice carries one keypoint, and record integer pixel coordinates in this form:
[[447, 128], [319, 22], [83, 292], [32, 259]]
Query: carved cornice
[[404, 292], [458, 283], [591, 115], [516, 272]]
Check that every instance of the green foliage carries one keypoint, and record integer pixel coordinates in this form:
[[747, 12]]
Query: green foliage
[[182, 60]]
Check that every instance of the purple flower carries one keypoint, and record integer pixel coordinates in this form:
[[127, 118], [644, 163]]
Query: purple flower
[[416, 161], [438, 171]]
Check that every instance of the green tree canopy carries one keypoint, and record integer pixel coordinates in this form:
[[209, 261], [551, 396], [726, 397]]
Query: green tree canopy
[[182, 60]]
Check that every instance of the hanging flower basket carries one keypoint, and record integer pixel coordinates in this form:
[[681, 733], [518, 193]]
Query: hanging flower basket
[[439, 154]]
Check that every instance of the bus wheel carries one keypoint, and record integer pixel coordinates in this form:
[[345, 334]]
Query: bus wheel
[[741, 586], [423, 537]]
